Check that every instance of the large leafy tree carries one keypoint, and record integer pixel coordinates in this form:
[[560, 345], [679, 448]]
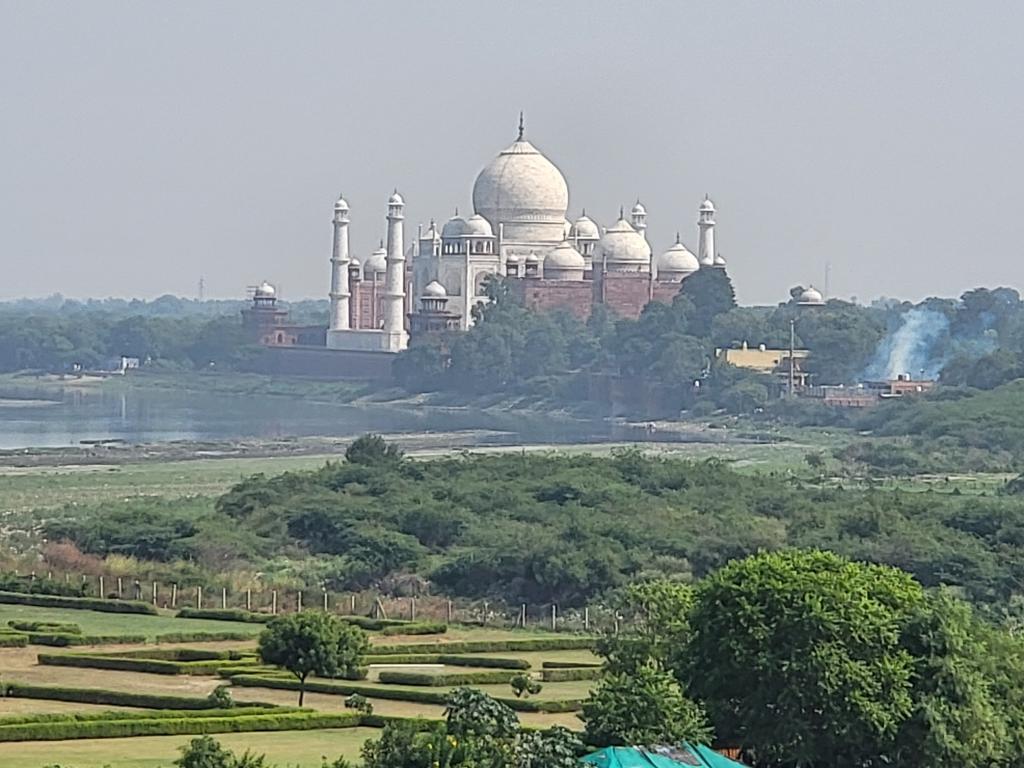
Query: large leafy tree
[[711, 293], [799, 656], [313, 643]]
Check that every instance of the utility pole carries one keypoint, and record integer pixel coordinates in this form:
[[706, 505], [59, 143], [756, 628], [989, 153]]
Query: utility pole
[[792, 353]]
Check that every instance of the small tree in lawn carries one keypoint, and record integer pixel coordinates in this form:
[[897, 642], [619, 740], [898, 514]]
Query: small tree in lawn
[[313, 643]]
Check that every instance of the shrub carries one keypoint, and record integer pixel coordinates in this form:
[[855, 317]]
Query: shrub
[[522, 684], [483, 661], [572, 664], [570, 643], [84, 603], [201, 637], [359, 703], [373, 625], [62, 640], [65, 628], [416, 628], [220, 697], [12, 640], [396, 677], [154, 666], [571, 674], [112, 698], [224, 614]]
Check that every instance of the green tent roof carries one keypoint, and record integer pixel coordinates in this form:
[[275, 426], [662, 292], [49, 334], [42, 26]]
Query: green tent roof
[[686, 755]]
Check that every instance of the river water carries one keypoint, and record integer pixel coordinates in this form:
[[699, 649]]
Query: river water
[[150, 416]]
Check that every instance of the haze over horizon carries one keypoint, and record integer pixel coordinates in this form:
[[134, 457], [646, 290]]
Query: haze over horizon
[[145, 146]]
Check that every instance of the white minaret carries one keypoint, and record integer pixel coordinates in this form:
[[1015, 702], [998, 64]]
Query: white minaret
[[638, 218], [706, 225], [394, 281], [339, 268]]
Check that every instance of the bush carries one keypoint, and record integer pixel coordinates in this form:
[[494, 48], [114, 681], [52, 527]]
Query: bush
[[10, 582], [112, 698], [416, 628], [522, 684], [395, 677], [12, 640], [425, 696], [224, 614], [554, 643], [201, 637], [154, 666], [65, 628], [374, 625], [84, 603], [572, 664], [220, 697], [62, 640], [359, 703], [483, 661], [570, 674]]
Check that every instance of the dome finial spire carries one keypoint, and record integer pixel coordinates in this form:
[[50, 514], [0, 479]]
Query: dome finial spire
[[622, 211], [521, 128]]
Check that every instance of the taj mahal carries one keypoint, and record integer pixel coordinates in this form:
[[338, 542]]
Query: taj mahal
[[518, 230]]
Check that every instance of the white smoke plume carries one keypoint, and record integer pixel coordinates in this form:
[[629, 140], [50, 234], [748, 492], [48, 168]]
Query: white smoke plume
[[908, 349]]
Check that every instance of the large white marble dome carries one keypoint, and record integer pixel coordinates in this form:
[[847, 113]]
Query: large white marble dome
[[525, 191]]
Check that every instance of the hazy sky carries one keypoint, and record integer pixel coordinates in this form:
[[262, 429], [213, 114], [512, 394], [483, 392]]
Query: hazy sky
[[146, 144]]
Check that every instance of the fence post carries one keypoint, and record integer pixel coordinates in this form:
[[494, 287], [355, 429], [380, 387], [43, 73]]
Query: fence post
[[449, 612], [154, 593], [223, 598], [486, 613], [120, 589], [523, 609], [174, 595], [412, 609], [554, 617], [325, 599], [248, 599], [101, 587], [352, 605], [586, 619], [199, 598], [273, 602], [298, 601]]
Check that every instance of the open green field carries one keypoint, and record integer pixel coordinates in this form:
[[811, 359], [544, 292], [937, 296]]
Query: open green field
[[302, 749], [100, 623]]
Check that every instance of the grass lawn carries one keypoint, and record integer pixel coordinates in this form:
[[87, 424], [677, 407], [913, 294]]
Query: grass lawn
[[99, 623], [302, 749]]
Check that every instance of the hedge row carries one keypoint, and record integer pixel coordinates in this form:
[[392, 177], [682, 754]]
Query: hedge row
[[66, 628], [483, 661], [416, 628], [84, 603], [568, 675], [571, 664], [36, 718], [63, 640], [570, 643], [111, 698], [169, 726], [224, 614], [374, 625], [183, 654], [395, 694], [13, 640], [201, 637], [129, 664], [493, 677]]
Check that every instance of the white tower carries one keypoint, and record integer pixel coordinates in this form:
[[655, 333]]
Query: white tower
[[339, 268], [706, 225], [638, 218], [394, 283]]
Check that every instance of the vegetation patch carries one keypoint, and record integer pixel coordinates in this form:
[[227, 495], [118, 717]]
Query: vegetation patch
[[567, 675], [111, 697], [83, 603], [427, 679]]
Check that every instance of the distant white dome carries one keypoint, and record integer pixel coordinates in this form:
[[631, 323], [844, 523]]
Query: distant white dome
[[377, 262], [454, 227], [707, 205], [638, 209], [522, 187], [353, 262], [512, 259], [585, 228], [676, 263], [477, 226], [623, 249], [811, 296], [564, 262], [532, 259], [435, 290], [396, 199], [265, 290], [341, 205]]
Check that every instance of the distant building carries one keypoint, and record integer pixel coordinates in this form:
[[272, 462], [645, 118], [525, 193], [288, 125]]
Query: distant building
[[771, 362]]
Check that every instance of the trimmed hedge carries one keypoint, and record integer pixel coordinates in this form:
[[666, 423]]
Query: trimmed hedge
[[12, 640], [134, 664], [571, 664], [425, 696], [83, 603], [374, 625], [112, 698], [82, 717], [169, 726], [61, 640], [570, 643], [225, 614], [483, 661], [65, 628], [416, 628], [201, 637], [569, 675], [493, 677]]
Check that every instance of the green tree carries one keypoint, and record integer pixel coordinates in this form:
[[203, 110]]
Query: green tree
[[556, 747], [778, 636], [207, 752], [711, 293], [372, 449], [313, 643], [644, 706]]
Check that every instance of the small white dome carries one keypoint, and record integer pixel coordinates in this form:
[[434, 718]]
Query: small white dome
[[353, 262], [434, 290], [512, 259], [811, 296], [477, 226], [676, 262], [639, 210], [396, 199], [532, 259], [564, 256], [719, 261], [454, 227], [707, 205], [342, 204], [623, 249], [378, 262], [585, 228], [265, 290]]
